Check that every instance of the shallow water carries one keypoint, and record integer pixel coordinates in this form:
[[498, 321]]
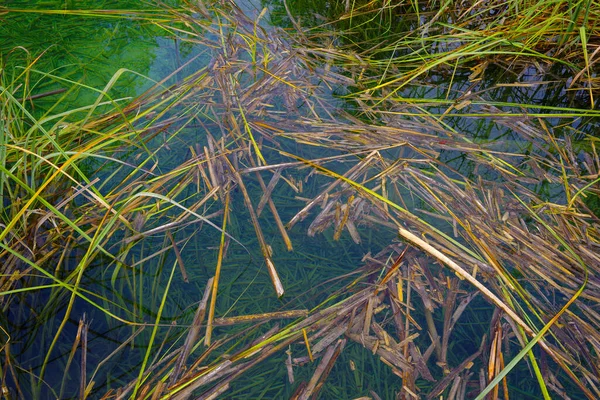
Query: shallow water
[[89, 51]]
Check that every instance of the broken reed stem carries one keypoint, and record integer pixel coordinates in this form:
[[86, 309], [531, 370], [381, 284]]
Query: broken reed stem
[[83, 367], [213, 299], [267, 190], [260, 317], [316, 381], [266, 252], [72, 355], [193, 333], [184, 274]]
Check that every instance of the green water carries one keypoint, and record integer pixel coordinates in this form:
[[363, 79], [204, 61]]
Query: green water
[[84, 53]]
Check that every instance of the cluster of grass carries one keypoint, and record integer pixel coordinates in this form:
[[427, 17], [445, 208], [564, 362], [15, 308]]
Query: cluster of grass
[[446, 151]]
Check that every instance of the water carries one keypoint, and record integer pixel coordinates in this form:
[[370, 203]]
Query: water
[[132, 291], [132, 286]]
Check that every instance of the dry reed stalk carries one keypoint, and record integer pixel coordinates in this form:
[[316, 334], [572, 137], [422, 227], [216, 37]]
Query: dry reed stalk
[[267, 190], [76, 343], [193, 333], [266, 252], [83, 366], [260, 317], [316, 381], [215, 282], [180, 262]]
